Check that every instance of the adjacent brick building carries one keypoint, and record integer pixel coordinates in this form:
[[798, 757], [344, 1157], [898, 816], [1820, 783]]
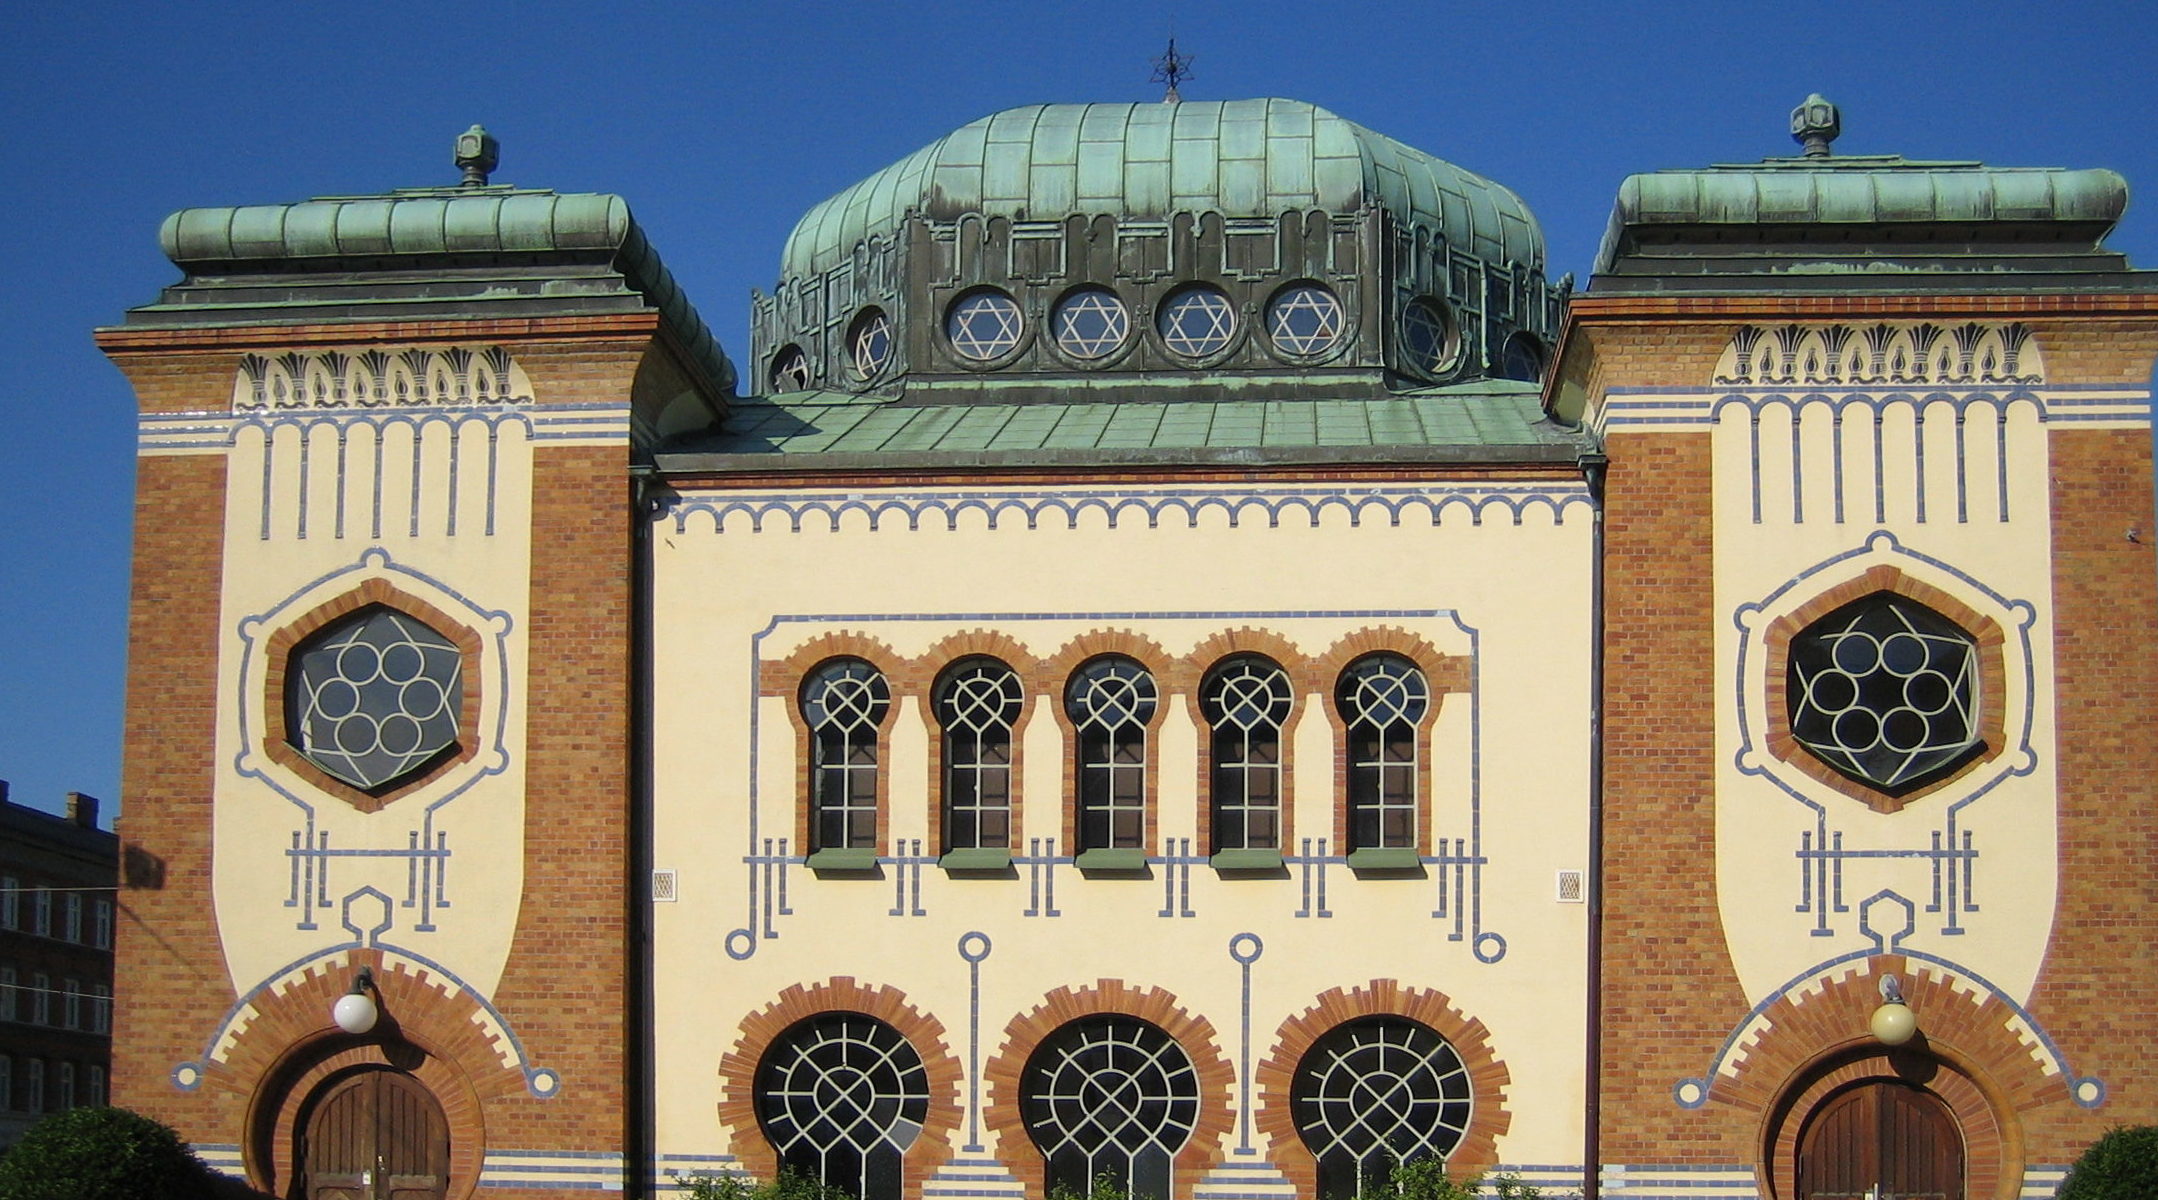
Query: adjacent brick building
[[58, 875]]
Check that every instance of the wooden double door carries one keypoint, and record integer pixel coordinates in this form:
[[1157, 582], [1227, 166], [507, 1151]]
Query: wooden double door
[[1881, 1140], [375, 1134]]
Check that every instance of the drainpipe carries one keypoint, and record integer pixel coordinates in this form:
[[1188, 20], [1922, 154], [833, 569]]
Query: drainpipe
[[640, 1115], [1593, 467]]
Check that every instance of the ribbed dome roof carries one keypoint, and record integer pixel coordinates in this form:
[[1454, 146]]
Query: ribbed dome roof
[[1237, 158]]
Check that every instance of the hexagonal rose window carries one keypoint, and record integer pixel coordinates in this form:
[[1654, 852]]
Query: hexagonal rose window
[[374, 698], [1885, 691]]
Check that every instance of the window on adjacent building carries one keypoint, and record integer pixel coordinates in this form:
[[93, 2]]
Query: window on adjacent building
[[1376, 1092], [10, 902], [34, 1086], [7, 1083], [1109, 701], [1246, 701], [71, 1003], [71, 917], [101, 1009], [67, 1087], [8, 995], [1382, 698], [1109, 1097], [977, 703], [97, 1087], [41, 999], [842, 1096], [844, 703], [41, 912], [101, 926]]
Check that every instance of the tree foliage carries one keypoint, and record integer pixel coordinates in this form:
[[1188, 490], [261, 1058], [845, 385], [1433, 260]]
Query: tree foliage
[[2122, 1165], [102, 1154]]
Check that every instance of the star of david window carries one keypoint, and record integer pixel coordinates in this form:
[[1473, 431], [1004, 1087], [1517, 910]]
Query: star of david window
[[1196, 322], [841, 1096], [1304, 319], [374, 699], [977, 703], [1090, 323], [1246, 700], [1885, 691], [870, 343], [1376, 1092], [983, 326], [843, 703], [1109, 701], [1109, 1096], [1429, 341], [790, 370], [1523, 359], [1382, 698]]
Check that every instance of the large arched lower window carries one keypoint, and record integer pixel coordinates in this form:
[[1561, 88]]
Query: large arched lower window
[[844, 702], [1246, 701], [1109, 1096], [1376, 1092], [1110, 700], [977, 703], [841, 1096], [1382, 698]]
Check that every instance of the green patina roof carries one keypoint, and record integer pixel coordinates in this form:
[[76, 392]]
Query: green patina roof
[[421, 231], [1237, 158], [1489, 421]]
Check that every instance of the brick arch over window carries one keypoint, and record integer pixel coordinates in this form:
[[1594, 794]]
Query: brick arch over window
[[1488, 1077], [428, 1029], [1057, 671], [1969, 1052], [277, 735], [1992, 681], [738, 1072], [784, 678], [1303, 683], [1447, 674], [1109, 997]]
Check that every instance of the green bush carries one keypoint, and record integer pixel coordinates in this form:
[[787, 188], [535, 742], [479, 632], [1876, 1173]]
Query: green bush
[[1425, 1179], [791, 1185], [2122, 1165], [102, 1154], [1104, 1188]]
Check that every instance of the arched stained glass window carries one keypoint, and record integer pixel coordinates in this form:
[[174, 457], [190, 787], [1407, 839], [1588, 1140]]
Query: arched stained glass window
[[977, 702], [1382, 698], [1196, 322], [1110, 1096], [1110, 700], [1376, 1092], [843, 703], [841, 1096], [374, 698], [1246, 700]]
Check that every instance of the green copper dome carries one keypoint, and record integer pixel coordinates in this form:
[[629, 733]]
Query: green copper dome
[[1235, 158]]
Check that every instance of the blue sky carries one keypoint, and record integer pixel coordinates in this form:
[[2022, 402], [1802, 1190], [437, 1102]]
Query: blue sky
[[722, 122]]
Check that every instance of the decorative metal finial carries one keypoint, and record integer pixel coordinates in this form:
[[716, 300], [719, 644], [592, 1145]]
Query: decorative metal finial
[[1172, 69], [1815, 124], [477, 154]]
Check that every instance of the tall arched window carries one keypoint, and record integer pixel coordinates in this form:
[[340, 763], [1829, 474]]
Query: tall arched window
[[1110, 1096], [842, 1096], [978, 701], [1110, 700], [1246, 701], [1382, 698], [844, 703], [1376, 1092]]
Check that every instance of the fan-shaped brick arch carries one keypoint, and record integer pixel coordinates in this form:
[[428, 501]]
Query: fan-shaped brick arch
[[759, 1030], [1109, 997], [1488, 1077]]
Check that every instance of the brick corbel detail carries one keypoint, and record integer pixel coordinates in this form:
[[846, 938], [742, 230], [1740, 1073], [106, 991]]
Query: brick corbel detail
[[1194, 1034], [738, 1073], [1489, 1118]]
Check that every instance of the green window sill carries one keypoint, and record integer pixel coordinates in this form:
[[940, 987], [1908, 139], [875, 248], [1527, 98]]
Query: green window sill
[[844, 859], [1111, 860], [1385, 858], [1246, 860], [979, 859]]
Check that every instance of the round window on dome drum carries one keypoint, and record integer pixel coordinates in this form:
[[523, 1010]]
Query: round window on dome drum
[[983, 326], [1304, 319], [1523, 359], [1090, 323], [869, 340], [1196, 322], [1430, 340], [790, 370]]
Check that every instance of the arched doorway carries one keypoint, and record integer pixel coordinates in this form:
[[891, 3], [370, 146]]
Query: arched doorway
[[374, 1133], [1881, 1139]]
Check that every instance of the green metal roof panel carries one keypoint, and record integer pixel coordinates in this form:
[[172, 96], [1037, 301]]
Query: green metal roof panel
[[1871, 191], [1238, 158]]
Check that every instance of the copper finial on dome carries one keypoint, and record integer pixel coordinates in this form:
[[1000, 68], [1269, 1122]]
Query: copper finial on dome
[[1815, 124], [1172, 69], [477, 154]]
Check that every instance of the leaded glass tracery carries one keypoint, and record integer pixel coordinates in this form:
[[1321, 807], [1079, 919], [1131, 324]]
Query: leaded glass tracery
[[790, 370], [1110, 1096], [1196, 322], [374, 698], [870, 342], [1246, 700], [1382, 698], [1429, 341], [1304, 319], [1375, 1092], [1090, 323], [983, 325], [841, 1096], [844, 702], [1110, 700], [1886, 691], [977, 703]]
